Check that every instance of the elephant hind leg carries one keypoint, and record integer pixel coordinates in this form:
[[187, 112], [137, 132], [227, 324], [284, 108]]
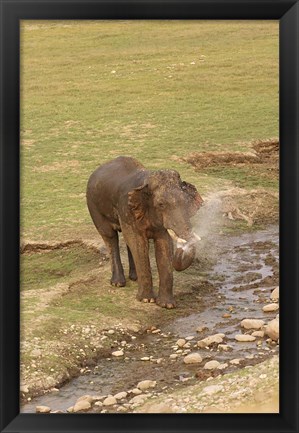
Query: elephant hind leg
[[132, 268], [110, 237]]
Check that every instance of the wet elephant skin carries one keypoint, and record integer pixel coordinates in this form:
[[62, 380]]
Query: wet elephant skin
[[122, 196]]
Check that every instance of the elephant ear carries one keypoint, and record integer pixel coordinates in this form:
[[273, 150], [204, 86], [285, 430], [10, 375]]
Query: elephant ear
[[194, 199], [138, 201]]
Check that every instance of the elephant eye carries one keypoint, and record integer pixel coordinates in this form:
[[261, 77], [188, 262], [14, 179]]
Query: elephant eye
[[161, 205]]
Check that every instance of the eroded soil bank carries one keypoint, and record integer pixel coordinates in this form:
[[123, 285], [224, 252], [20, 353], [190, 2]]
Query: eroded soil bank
[[230, 282]]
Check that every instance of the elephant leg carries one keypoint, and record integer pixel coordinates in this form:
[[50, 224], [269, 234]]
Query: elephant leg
[[132, 268], [139, 248], [164, 253], [110, 237]]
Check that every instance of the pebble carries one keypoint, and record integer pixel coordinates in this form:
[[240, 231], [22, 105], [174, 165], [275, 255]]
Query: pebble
[[36, 353], [211, 365], [146, 384], [173, 356], [258, 334], [145, 358], [226, 316], [98, 403], [222, 366], [118, 353], [70, 409], [121, 409], [201, 329], [111, 332], [88, 398], [212, 389], [189, 338], [235, 361], [224, 347], [81, 406], [192, 358], [275, 294], [136, 391], [121, 395], [181, 342], [244, 337], [270, 307], [42, 409], [252, 323], [109, 401], [272, 329], [24, 389], [206, 342], [138, 399]]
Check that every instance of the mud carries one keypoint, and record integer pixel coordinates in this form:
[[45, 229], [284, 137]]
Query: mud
[[235, 287]]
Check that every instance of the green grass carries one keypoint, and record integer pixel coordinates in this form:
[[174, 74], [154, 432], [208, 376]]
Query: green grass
[[178, 87]]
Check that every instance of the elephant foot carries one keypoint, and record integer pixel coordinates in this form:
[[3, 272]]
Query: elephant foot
[[133, 276], [168, 303], [120, 282], [146, 297]]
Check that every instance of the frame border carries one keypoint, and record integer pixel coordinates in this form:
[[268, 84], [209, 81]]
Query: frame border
[[11, 12]]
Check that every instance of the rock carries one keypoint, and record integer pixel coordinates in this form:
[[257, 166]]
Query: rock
[[201, 329], [272, 329], [226, 315], [36, 353], [42, 409], [270, 307], [224, 347], [121, 409], [275, 294], [235, 361], [98, 403], [222, 366], [111, 332], [181, 342], [118, 353], [82, 405], [211, 365], [136, 391], [121, 395], [244, 337], [173, 356], [109, 401], [159, 408], [212, 389], [146, 384], [98, 397], [258, 334], [24, 389], [192, 358], [88, 398], [189, 338], [145, 358], [212, 339], [138, 399], [70, 409], [252, 323]]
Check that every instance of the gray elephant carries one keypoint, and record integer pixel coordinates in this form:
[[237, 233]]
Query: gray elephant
[[122, 196]]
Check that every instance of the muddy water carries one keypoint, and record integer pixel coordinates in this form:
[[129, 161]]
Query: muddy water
[[245, 273]]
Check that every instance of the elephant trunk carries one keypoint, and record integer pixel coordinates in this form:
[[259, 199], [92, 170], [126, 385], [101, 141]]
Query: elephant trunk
[[184, 252]]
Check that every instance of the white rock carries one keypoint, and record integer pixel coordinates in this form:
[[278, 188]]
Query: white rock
[[173, 356], [111, 332], [88, 398], [275, 294], [211, 365], [121, 395], [244, 337], [145, 358], [224, 347], [146, 384], [272, 329], [235, 361], [118, 353], [189, 338], [138, 399], [258, 334], [270, 307], [252, 323], [109, 401], [181, 342], [36, 353], [24, 389], [70, 409], [82, 405], [121, 409], [192, 358], [213, 389], [222, 366], [206, 342], [42, 409], [136, 391], [98, 403]]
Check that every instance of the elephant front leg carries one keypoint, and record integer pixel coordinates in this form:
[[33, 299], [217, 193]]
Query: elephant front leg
[[139, 248], [164, 252]]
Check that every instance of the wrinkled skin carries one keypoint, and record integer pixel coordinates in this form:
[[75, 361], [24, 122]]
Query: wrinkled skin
[[122, 196]]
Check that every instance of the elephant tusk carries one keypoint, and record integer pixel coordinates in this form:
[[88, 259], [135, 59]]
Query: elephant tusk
[[175, 237]]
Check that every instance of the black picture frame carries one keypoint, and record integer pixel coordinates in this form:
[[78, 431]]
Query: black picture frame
[[287, 12]]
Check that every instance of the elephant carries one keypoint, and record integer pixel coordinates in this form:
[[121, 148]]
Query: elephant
[[123, 196]]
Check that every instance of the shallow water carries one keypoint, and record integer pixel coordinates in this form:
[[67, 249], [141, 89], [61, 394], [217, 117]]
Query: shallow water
[[242, 279]]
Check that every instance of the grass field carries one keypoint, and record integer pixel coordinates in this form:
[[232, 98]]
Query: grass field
[[91, 91]]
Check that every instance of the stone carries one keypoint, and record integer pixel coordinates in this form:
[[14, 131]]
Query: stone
[[138, 399], [109, 401], [82, 405], [211, 365], [173, 356], [212, 389], [235, 361], [192, 358], [145, 358], [118, 353], [146, 384], [260, 334], [24, 389], [201, 329], [70, 409], [111, 332], [272, 329], [98, 397], [121, 409], [121, 395], [159, 408], [252, 323], [36, 353], [244, 337], [42, 409], [181, 342], [212, 339], [222, 366], [224, 347], [98, 403], [88, 398], [270, 307], [136, 391], [275, 294]]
